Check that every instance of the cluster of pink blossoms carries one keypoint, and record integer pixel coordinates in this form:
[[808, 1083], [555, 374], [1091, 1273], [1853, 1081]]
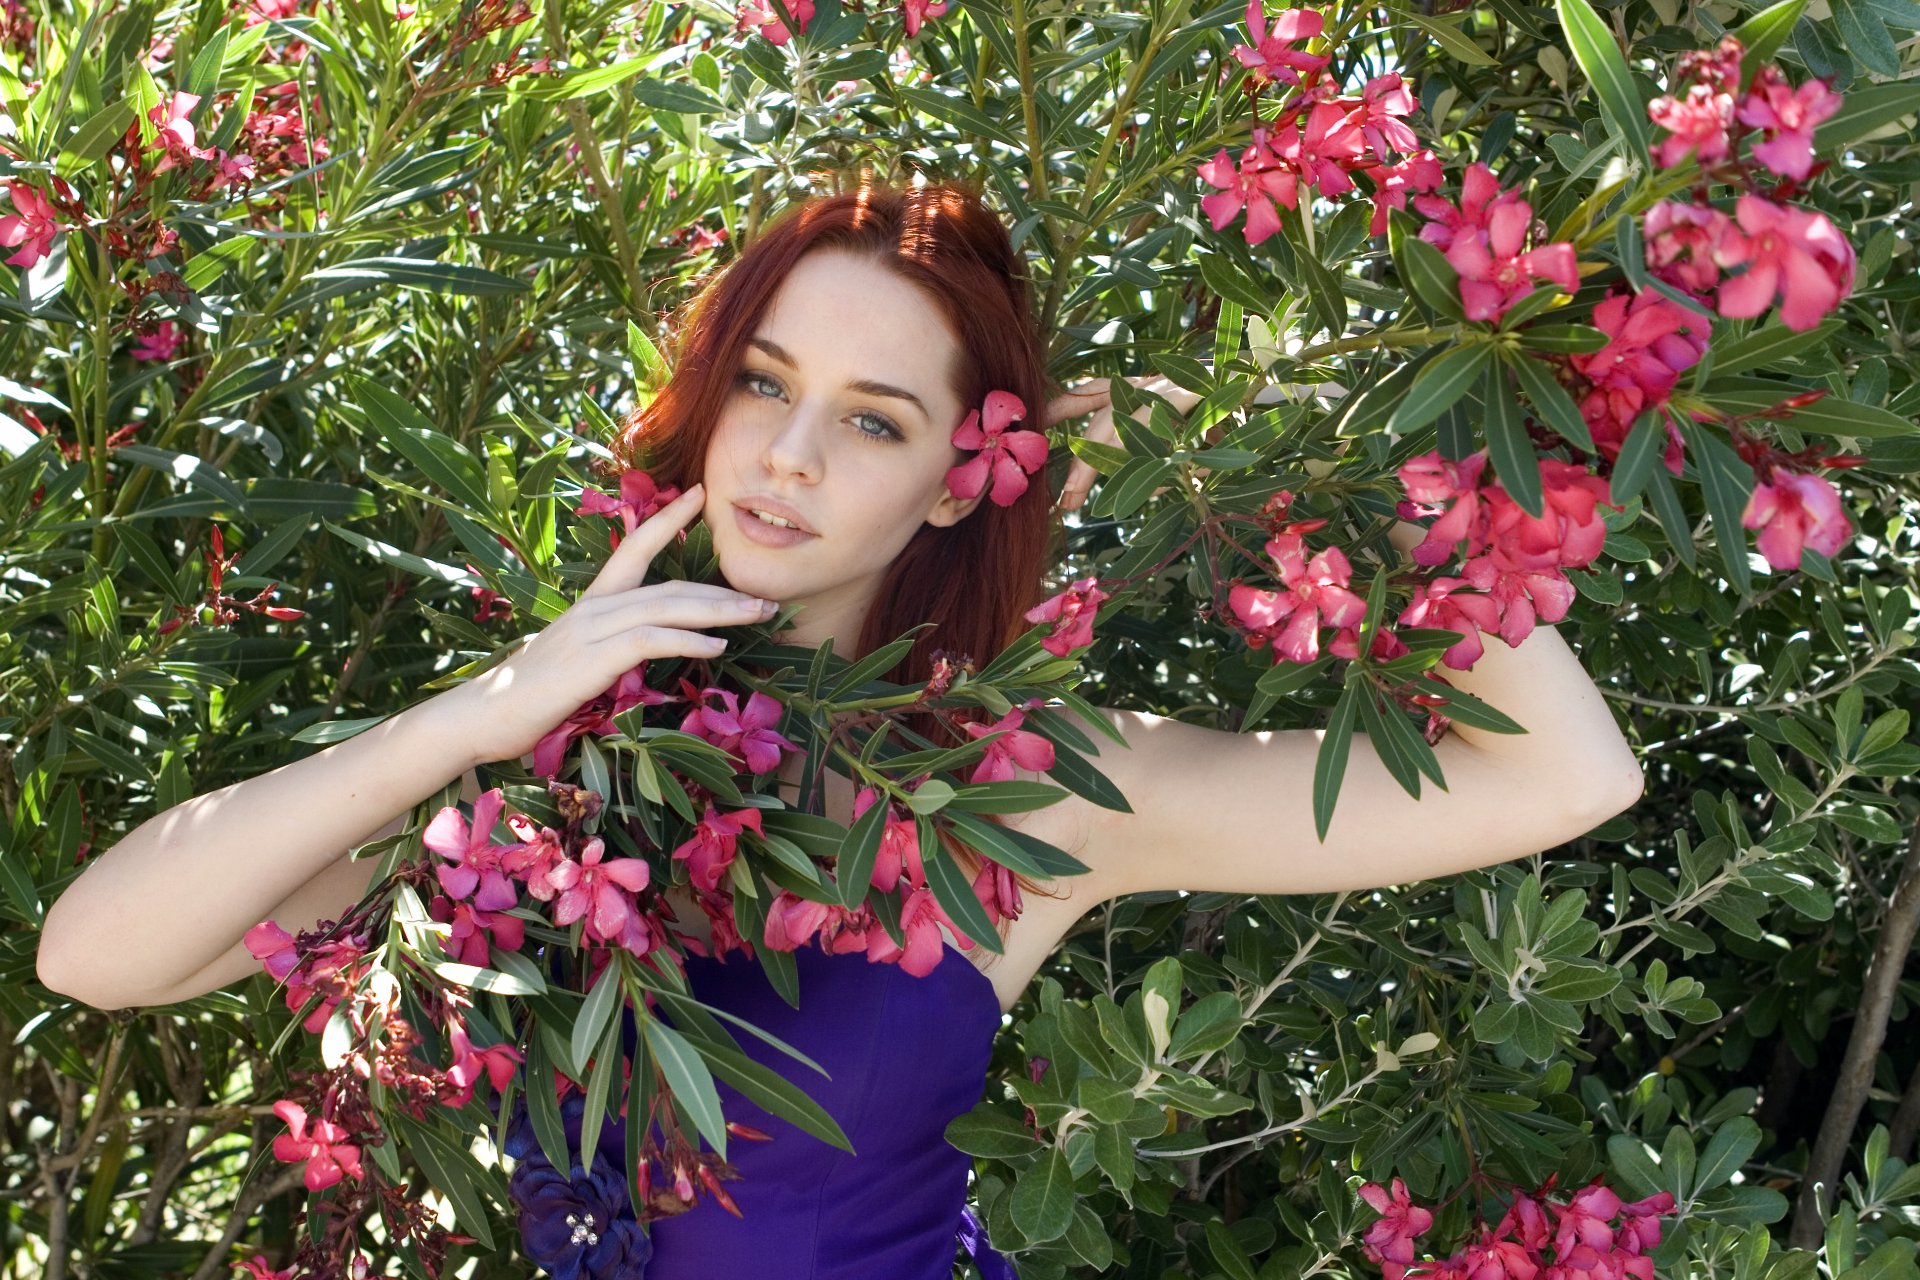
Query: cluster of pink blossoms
[[1482, 238], [1793, 255], [762, 16], [1319, 140], [1586, 1243]]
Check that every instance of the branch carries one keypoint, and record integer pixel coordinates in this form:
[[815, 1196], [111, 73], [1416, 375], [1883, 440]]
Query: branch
[[1863, 1049]]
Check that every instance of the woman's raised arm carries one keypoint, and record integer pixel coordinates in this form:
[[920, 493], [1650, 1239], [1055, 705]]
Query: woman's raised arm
[[1234, 812]]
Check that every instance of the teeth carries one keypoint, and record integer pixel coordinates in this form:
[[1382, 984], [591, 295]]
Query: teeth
[[775, 520]]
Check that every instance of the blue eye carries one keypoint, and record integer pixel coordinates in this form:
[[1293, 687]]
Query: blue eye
[[752, 378]]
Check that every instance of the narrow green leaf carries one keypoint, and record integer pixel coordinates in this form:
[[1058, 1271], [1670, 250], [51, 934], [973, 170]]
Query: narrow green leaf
[[1761, 37], [1726, 482], [1606, 67], [1508, 446], [1866, 110], [1550, 399], [1330, 762], [854, 868], [953, 891], [1386, 747], [688, 1077], [1452, 39], [1441, 382], [592, 1021], [1644, 443], [1830, 415]]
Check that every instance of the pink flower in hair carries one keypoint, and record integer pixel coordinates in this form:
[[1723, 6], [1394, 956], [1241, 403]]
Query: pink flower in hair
[[1008, 456]]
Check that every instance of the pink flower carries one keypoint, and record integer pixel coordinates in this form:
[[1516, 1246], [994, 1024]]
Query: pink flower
[[1697, 122], [1480, 194], [920, 920], [767, 19], [1497, 1260], [477, 861], [1391, 1238], [1436, 604], [328, 1156], [273, 947], [899, 846], [1431, 482], [1314, 594], [1584, 1221], [1639, 368], [596, 717], [1071, 613], [714, 843], [1796, 510], [1009, 455], [1260, 179], [1331, 145], [1495, 273], [998, 891], [593, 889], [1269, 58], [1015, 746], [1682, 241], [639, 499], [917, 12], [1377, 116], [176, 132], [1640, 1232], [162, 344], [32, 225], [1522, 595], [1418, 172], [496, 1062], [256, 1266], [1796, 254], [747, 735], [474, 932], [1788, 117], [792, 921]]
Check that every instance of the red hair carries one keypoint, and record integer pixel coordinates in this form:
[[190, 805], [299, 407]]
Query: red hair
[[976, 578]]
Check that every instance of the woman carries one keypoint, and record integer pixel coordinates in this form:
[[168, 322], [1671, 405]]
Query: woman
[[810, 420]]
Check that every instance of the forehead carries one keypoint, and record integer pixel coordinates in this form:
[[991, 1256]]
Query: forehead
[[844, 316]]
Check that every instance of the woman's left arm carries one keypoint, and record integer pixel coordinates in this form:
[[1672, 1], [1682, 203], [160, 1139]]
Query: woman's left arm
[[1214, 810]]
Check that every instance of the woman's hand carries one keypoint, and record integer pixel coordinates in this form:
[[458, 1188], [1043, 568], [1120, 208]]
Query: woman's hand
[[1095, 396], [614, 626]]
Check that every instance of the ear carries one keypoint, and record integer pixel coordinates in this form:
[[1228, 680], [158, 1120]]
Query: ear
[[948, 510]]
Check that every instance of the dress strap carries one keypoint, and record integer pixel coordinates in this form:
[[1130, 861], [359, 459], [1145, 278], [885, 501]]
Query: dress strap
[[973, 1237]]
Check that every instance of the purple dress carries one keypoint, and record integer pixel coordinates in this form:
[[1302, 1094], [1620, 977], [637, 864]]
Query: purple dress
[[906, 1055]]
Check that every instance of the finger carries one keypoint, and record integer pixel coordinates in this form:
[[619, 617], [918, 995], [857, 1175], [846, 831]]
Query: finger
[[643, 643], [627, 567], [656, 612], [1077, 401], [1081, 474]]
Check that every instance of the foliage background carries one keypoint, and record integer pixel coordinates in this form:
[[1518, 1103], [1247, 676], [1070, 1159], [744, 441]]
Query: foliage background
[[1691, 996]]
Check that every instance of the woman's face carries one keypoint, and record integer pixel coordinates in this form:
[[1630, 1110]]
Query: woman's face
[[841, 412]]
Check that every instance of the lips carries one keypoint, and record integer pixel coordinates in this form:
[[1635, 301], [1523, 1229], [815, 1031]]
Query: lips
[[774, 507], [759, 532]]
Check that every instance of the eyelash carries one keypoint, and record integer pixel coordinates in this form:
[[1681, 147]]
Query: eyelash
[[893, 432]]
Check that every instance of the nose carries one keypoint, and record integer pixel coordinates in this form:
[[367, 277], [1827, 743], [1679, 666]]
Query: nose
[[794, 449]]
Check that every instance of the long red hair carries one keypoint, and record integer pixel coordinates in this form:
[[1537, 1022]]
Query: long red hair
[[976, 578]]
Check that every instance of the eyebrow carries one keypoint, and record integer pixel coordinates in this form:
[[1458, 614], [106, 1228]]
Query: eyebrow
[[868, 385]]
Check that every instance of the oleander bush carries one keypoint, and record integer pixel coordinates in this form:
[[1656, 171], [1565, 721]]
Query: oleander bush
[[318, 323]]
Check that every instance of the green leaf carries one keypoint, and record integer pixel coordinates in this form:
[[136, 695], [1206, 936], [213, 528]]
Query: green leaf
[[993, 1135], [1865, 109], [662, 95], [1769, 344], [953, 891], [1043, 1198], [1441, 382], [1762, 35], [1452, 39], [1424, 269], [1508, 446], [1555, 407], [1013, 848], [1223, 277], [1606, 67], [416, 273], [1471, 711], [1866, 37], [1330, 762], [1830, 415], [1727, 483], [854, 869], [92, 139], [1072, 770], [454, 1173], [1645, 442], [688, 1077], [444, 460], [591, 1022], [1729, 1149], [1385, 746]]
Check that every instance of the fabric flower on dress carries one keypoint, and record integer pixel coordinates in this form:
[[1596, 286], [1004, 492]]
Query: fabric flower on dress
[[1009, 457], [577, 1225]]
